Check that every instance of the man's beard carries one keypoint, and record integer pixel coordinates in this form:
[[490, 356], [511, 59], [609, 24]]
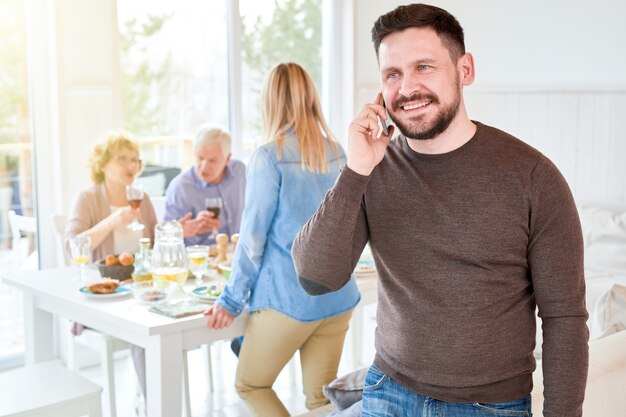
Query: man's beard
[[421, 130]]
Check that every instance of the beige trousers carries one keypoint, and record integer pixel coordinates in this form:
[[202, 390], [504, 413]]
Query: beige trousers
[[270, 340]]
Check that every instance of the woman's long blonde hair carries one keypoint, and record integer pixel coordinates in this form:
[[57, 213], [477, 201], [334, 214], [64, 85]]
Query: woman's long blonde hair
[[291, 105]]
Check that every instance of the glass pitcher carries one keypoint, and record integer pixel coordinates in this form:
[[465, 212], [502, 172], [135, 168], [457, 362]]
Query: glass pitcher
[[169, 257]]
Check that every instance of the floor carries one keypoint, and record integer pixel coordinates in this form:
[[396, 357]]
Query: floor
[[224, 401]]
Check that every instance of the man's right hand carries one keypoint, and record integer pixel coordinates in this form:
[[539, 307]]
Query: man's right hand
[[365, 148], [191, 227], [209, 220]]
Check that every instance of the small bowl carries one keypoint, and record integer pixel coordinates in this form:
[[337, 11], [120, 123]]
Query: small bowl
[[118, 272], [226, 268], [147, 294]]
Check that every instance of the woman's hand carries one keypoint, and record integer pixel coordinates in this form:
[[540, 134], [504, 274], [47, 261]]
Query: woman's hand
[[366, 145], [219, 317], [124, 215]]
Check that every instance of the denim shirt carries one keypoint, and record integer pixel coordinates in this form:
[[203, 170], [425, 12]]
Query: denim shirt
[[187, 193], [280, 198]]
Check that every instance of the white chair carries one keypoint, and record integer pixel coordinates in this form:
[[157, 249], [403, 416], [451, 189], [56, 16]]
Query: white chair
[[58, 221], [21, 258], [48, 390], [104, 344], [159, 207], [23, 224]]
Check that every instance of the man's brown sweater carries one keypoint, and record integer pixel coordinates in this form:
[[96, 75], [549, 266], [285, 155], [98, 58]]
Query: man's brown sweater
[[467, 244]]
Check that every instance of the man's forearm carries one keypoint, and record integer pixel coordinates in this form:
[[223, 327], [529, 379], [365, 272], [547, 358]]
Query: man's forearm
[[565, 361]]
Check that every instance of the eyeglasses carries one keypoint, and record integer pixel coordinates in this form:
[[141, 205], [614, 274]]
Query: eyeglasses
[[126, 160]]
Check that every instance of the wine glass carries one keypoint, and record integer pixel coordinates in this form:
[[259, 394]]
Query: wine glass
[[80, 248], [214, 205], [134, 195], [198, 256]]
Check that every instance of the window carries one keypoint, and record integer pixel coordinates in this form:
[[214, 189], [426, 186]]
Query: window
[[175, 67], [273, 32], [16, 179]]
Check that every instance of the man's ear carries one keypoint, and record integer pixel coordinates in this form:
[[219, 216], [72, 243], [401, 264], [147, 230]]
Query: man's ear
[[466, 68], [228, 158]]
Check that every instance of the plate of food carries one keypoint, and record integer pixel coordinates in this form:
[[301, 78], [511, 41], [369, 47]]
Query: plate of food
[[105, 289], [208, 293]]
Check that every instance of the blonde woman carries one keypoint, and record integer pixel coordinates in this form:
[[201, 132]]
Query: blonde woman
[[287, 179], [102, 211]]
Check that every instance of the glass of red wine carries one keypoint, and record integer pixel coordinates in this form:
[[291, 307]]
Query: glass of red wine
[[214, 205], [134, 195]]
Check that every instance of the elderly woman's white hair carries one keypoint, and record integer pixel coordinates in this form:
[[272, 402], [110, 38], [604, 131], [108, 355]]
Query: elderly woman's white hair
[[209, 134]]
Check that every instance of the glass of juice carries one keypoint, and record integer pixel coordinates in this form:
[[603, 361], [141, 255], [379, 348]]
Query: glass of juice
[[198, 256], [80, 250]]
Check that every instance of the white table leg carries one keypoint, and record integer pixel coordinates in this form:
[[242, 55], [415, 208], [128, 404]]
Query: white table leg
[[95, 407], [38, 332], [164, 373]]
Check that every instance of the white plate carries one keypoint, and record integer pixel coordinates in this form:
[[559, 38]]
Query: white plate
[[201, 294], [120, 291]]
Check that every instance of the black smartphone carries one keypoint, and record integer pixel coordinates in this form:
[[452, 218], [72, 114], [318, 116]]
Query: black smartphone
[[383, 123]]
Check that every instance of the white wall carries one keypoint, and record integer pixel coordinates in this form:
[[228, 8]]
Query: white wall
[[532, 43], [550, 72]]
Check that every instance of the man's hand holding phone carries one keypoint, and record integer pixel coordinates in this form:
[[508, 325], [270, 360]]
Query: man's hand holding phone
[[383, 123], [367, 139]]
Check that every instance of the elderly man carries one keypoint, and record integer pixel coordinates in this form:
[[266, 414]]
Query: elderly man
[[214, 175]]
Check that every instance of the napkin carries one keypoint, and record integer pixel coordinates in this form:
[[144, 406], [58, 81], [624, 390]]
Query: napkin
[[179, 309]]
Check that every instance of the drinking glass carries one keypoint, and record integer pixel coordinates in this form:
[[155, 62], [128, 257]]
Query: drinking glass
[[214, 205], [134, 195], [198, 256], [80, 248]]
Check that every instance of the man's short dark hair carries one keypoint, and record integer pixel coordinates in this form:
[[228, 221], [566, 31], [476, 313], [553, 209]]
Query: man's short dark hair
[[421, 16]]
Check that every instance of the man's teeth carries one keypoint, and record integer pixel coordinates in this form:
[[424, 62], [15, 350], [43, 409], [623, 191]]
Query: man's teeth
[[416, 106]]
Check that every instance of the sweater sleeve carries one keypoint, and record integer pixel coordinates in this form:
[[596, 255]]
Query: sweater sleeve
[[555, 256], [329, 245]]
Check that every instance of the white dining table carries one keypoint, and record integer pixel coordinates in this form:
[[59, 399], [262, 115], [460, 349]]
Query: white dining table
[[53, 292]]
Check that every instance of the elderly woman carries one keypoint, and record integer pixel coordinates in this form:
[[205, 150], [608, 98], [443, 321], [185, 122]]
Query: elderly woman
[[102, 211]]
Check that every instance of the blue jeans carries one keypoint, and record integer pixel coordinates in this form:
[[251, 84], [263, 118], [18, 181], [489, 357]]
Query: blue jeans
[[383, 397]]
